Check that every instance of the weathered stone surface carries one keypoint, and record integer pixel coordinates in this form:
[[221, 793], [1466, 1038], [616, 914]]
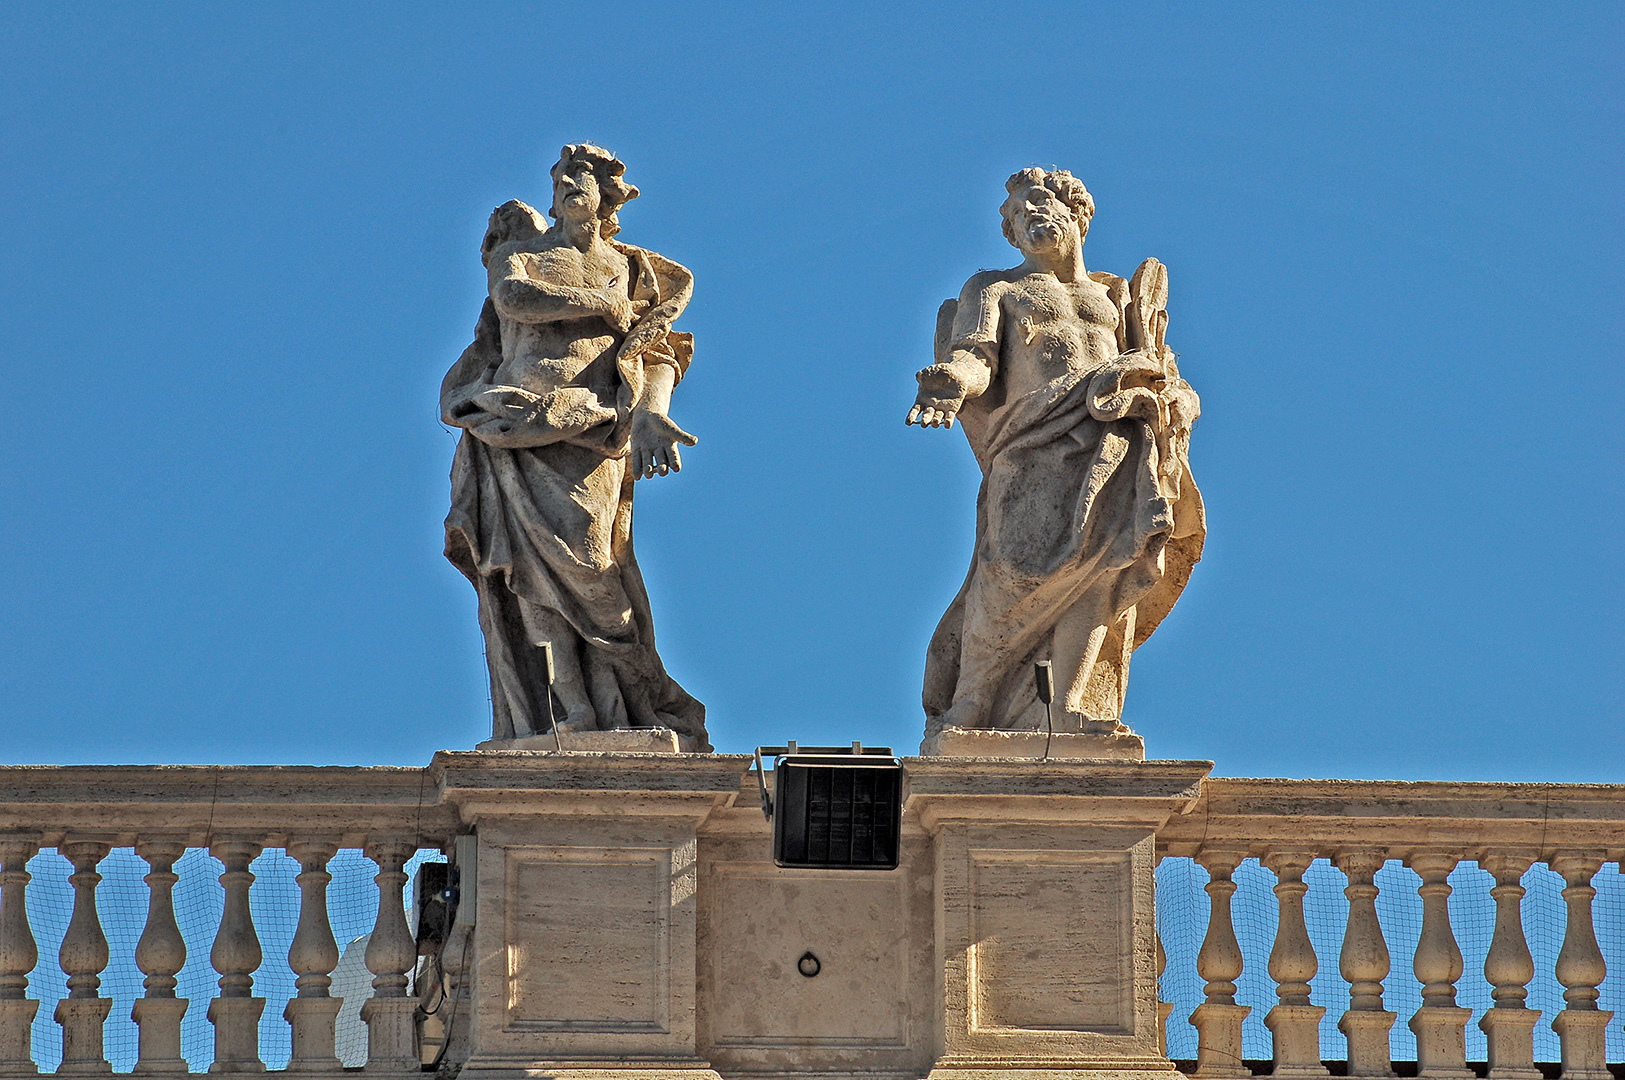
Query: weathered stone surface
[[625, 741], [984, 743], [1088, 522], [563, 400]]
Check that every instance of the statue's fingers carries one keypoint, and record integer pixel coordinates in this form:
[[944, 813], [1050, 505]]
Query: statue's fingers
[[677, 459], [662, 461], [683, 437], [913, 415]]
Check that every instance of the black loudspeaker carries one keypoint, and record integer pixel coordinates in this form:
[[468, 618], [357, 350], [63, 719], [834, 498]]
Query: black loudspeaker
[[837, 810]]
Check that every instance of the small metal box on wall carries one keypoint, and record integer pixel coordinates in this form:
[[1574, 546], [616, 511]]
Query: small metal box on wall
[[834, 808]]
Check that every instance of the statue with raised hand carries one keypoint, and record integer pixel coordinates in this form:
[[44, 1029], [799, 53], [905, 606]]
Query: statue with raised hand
[[563, 399], [1088, 522]]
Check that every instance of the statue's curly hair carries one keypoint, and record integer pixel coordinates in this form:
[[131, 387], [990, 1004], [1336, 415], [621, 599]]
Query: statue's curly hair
[[1063, 183], [613, 192]]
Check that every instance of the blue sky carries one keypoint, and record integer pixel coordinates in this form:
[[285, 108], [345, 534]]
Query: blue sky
[[240, 249]]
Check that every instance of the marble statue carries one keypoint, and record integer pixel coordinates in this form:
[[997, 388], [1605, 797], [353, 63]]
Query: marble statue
[[563, 400], [1087, 522]]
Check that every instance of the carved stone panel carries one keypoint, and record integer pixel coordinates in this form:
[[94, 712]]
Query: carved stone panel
[[588, 940], [1052, 942]]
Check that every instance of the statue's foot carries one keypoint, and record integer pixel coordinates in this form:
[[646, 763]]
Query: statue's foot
[[579, 718]]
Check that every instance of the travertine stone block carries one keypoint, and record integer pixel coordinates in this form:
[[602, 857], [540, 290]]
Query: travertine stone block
[[1583, 1048], [1295, 1030], [1045, 924], [1368, 1033], [1441, 1040], [625, 741], [159, 1041], [1510, 1035], [584, 949], [1218, 1039], [975, 743], [865, 1001]]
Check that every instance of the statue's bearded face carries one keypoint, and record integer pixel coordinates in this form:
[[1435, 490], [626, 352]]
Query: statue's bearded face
[[1042, 220], [575, 193]]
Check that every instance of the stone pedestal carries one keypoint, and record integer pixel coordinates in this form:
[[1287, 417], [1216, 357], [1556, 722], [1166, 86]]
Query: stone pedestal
[[236, 1023], [1368, 1033], [1044, 912], [1509, 1034], [1295, 1030], [16, 1016], [1218, 1040], [584, 938], [1583, 1049], [159, 1041], [82, 1020], [1441, 1040], [312, 1022], [629, 922], [391, 1043]]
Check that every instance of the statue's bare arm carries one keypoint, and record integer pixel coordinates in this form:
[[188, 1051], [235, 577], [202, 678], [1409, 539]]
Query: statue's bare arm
[[968, 371], [521, 298]]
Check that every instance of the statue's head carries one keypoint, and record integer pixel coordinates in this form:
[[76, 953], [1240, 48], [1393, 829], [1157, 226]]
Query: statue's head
[[1043, 206], [586, 183], [511, 221]]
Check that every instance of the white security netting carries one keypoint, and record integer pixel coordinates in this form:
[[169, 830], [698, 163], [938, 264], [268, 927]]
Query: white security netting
[[1182, 916], [121, 901]]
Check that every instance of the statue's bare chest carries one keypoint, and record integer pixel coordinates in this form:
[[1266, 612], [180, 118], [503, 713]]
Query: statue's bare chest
[[1042, 301], [567, 266]]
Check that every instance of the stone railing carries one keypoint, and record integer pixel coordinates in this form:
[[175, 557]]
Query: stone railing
[[235, 813], [1431, 828]]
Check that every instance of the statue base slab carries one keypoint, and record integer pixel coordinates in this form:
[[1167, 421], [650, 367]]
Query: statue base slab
[[979, 743], [625, 741]]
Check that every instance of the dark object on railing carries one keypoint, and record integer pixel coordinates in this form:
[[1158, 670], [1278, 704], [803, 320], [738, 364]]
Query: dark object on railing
[[834, 808], [434, 895]]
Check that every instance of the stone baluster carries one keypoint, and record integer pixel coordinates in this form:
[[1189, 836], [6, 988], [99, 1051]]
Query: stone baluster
[[312, 957], [18, 955], [1440, 1024], [160, 954], [1294, 1021], [1364, 964], [1218, 1019], [391, 952], [1164, 1008], [83, 957], [236, 955], [1580, 968], [1509, 1026]]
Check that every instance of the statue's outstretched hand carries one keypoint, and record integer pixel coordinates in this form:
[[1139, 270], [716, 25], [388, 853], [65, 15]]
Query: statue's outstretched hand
[[940, 399], [654, 444]]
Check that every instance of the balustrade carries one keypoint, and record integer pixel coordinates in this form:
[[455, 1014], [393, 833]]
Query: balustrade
[[1436, 830], [1432, 828], [236, 814]]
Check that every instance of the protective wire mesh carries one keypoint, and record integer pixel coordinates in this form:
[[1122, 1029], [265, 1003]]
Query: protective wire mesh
[[1182, 917], [273, 899]]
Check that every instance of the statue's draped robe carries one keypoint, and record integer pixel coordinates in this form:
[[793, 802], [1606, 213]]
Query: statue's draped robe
[[1086, 495], [551, 526]]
